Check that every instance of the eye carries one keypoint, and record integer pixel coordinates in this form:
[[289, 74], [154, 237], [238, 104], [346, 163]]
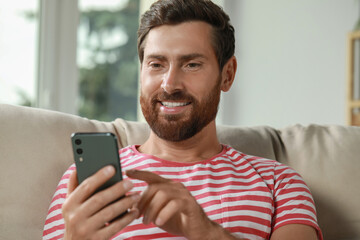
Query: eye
[[155, 65], [193, 65]]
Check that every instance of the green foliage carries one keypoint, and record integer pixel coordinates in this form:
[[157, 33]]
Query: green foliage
[[24, 98], [108, 85]]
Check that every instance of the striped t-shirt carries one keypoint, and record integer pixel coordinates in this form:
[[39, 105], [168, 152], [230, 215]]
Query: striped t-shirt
[[249, 196]]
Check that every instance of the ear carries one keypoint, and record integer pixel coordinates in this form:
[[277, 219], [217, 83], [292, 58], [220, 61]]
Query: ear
[[228, 74]]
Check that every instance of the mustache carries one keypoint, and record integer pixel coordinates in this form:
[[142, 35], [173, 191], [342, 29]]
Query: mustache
[[179, 95]]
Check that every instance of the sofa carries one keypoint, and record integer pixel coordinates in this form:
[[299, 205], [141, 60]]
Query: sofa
[[35, 151]]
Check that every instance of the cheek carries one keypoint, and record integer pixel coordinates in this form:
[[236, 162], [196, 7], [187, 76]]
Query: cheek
[[149, 84], [201, 85]]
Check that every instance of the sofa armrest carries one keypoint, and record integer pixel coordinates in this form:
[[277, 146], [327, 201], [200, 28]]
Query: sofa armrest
[[35, 151]]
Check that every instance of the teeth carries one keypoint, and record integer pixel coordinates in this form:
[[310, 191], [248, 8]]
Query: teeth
[[174, 104]]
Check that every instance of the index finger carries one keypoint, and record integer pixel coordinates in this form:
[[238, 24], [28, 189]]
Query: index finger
[[73, 183], [146, 176]]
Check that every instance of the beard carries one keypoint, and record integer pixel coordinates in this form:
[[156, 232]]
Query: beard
[[179, 127]]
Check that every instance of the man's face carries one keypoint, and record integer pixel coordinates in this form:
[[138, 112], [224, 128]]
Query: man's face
[[180, 80]]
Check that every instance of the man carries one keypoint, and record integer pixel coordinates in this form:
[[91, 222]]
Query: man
[[193, 187]]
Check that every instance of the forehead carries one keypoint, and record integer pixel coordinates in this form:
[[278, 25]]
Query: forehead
[[180, 39]]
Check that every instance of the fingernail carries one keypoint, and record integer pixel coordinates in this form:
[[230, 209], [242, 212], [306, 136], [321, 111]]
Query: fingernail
[[135, 197], [127, 185], [158, 222], [109, 170], [130, 171]]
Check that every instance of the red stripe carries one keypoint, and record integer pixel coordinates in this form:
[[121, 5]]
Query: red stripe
[[294, 207], [54, 229], [140, 226], [253, 219], [53, 219], [293, 216], [61, 187], [144, 163], [247, 197], [290, 181], [59, 196], [151, 236], [292, 198], [299, 190], [54, 208], [247, 230]]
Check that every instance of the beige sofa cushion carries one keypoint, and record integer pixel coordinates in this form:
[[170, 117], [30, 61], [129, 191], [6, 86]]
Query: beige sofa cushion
[[35, 150], [328, 158]]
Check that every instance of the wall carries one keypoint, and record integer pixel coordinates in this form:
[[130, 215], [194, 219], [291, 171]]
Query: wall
[[291, 62]]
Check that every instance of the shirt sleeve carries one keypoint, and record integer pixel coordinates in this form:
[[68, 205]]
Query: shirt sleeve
[[293, 201], [54, 227]]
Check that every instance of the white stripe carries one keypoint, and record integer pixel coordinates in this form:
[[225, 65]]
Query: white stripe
[[54, 224], [287, 179], [147, 161], [124, 154], [54, 213], [53, 234], [241, 189], [297, 211], [247, 202], [292, 195], [250, 213], [63, 181], [290, 186], [147, 231], [252, 225], [240, 194], [247, 236]]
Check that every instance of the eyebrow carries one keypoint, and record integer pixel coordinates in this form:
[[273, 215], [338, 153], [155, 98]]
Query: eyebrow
[[191, 56], [184, 58]]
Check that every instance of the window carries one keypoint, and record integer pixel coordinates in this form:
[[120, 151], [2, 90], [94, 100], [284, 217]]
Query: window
[[107, 59], [18, 48], [76, 56]]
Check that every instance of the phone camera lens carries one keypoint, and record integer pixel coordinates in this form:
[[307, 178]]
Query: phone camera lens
[[77, 141], [79, 151]]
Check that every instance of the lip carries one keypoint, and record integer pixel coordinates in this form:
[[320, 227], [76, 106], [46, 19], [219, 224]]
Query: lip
[[174, 109]]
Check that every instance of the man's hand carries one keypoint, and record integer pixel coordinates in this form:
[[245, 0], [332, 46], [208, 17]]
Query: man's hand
[[170, 206], [89, 216]]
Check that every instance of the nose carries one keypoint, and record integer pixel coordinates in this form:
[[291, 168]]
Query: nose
[[172, 80]]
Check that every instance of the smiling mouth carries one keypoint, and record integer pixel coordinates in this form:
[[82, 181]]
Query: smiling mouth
[[174, 104]]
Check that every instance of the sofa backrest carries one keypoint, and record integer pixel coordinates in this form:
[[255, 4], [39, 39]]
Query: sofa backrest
[[35, 150]]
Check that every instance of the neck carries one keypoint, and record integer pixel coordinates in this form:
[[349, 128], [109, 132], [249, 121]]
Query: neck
[[202, 146]]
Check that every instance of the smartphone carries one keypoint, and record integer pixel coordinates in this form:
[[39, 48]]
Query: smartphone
[[93, 151]]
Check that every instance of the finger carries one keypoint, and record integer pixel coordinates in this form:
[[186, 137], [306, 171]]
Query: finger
[[146, 197], [73, 183], [106, 197], [146, 176], [92, 183], [114, 211], [114, 227], [157, 202], [167, 213]]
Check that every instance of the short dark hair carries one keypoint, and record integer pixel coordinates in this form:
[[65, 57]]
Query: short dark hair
[[174, 12]]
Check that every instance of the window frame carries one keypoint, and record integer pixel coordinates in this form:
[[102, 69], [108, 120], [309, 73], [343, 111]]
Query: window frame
[[57, 67]]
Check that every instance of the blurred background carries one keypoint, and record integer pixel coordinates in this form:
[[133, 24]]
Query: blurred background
[[80, 57]]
